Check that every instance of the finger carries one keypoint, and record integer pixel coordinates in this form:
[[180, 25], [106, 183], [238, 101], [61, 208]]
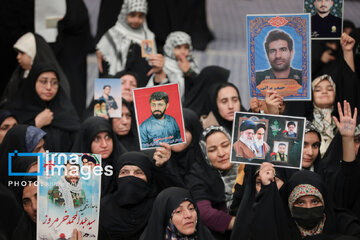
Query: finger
[[355, 115], [150, 72], [340, 111], [336, 122]]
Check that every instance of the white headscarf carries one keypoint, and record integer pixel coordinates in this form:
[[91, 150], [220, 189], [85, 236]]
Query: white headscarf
[[114, 44], [171, 67], [27, 44], [323, 121]]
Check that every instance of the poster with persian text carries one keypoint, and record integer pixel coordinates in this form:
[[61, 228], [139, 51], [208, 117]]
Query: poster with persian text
[[69, 196], [279, 55]]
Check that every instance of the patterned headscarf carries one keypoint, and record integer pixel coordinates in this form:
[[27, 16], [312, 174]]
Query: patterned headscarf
[[115, 43], [306, 190], [176, 39], [322, 117], [132, 6]]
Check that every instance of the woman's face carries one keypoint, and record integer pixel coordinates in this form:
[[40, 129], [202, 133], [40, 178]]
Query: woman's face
[[5, 126], [135, 19], [132, 170], [182, 50], [184, 218], [228, 102], [39, 148], [122, 126], [218, 150], [47, 86], [311, 149], [182, 146], [128, 83], [324, 94], [24, 60], [102, 144], [308, 201]]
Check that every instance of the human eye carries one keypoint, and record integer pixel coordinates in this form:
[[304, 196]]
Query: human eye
[[139, 172], [124, 172], [225, 144], [316, 145], [26, 201], [96, 139], [315, 201], [212, 149], [272, 51], [284, 49], [4, 128], [330, 88], [224, 100], [299, 202]]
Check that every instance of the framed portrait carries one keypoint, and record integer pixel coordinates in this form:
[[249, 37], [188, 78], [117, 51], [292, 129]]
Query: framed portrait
[[159, 115], [68, 195], [107, 97], [259, 138], [326, 18], [147, 48], [279, 56]]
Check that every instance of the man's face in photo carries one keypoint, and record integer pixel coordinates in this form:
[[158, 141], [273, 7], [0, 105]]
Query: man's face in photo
[[291, 128], [158, 108], [248, 134], [260, 134], [279, 55], [323, 6], [107, 90], [72, 174], [281, 149]]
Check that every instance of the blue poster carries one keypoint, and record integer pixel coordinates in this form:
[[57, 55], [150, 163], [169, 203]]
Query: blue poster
[[69, 196], [279, 55]]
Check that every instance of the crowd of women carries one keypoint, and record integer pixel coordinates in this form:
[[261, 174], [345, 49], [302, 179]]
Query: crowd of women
[[189, 190]]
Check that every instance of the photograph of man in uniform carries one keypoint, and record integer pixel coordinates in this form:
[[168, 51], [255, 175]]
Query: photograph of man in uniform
[[323, 23], [109, 100], [244, 147], [68, 192], [291, 129], [281, 155], [279, 47], [261, 147], [159, 127]]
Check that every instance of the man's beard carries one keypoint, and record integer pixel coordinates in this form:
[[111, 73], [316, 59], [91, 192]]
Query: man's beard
[[323, 11], [158, 114], [247, 142], [72, 183], [259, 142], [280, 68]]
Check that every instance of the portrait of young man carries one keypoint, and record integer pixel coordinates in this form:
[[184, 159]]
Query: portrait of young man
[[323, 23], [279, 48], [159, 127]]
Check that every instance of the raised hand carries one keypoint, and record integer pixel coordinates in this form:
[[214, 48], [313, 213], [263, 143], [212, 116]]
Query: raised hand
[[347, 124], [267, 173], [347, 42], [273, 102]]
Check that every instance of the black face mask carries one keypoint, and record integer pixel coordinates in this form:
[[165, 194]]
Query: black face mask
[[308, 218]]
